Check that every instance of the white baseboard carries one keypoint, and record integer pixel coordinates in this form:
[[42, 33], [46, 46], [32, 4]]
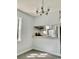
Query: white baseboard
[[24, 51]]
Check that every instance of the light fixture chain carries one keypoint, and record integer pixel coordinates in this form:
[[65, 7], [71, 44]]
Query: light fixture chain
[[43, 3]]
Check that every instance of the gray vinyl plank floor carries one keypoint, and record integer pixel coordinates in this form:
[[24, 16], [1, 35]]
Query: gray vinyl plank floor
[[34, 54]]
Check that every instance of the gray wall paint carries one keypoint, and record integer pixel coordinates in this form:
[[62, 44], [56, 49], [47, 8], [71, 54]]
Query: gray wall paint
[[26, 32]]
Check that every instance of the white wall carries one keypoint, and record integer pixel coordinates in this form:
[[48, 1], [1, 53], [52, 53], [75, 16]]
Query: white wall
[[50, 19], [26, 33], [39, 43], [44, 43], [47, 44]]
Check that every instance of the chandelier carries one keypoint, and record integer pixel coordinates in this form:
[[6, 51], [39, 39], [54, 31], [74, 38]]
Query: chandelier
[[42, 10]]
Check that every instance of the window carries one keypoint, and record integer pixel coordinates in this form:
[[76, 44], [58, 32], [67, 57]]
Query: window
[[19, 28]]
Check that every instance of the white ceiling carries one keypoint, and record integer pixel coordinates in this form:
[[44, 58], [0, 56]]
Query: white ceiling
[[29, 6]]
